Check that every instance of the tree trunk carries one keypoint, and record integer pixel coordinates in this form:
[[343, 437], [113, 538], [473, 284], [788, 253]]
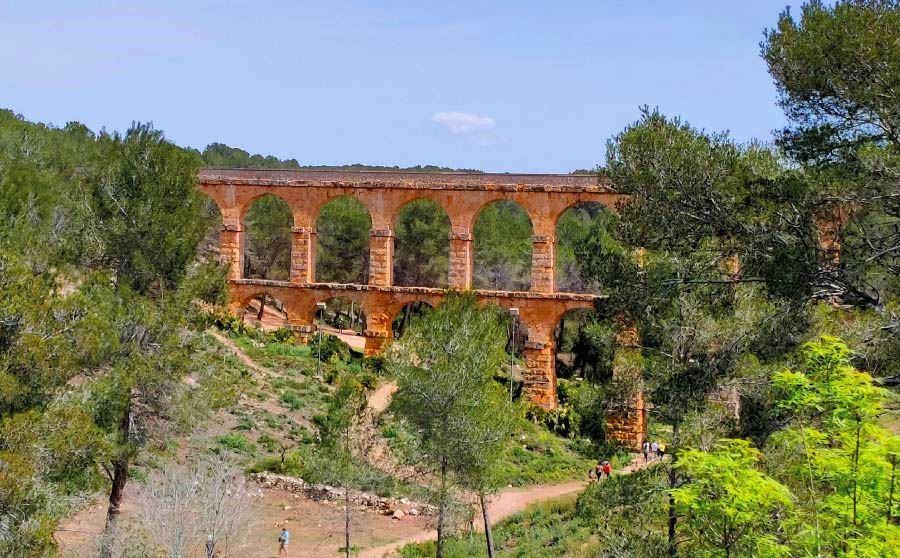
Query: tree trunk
[[487, 526], [673, 479], [402, 328], [890, 509], [856, 471], [439, 552], [262, 307], [346, 522], [120, 478]]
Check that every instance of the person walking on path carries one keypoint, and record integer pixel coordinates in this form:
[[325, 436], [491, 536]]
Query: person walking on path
[[607, 469], [661, 450], [654, 448], [283, 539], [646, 449]]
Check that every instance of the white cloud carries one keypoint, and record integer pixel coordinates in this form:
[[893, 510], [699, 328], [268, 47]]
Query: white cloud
[[473, 127]]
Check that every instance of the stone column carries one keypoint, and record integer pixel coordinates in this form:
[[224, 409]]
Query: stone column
[[381, 257], [830, 228], [231, 249], [375, 342], [303, 255], [626, 419], [461, 261], [543, 259], [540, 374]]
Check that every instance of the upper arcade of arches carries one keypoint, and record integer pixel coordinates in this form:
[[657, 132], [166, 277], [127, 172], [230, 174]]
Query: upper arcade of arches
[[462, 195]]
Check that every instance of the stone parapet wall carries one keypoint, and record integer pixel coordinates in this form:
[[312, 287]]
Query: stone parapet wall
[[398, 180]]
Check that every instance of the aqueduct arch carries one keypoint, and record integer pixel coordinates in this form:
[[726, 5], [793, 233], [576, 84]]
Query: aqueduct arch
[[384, 194]]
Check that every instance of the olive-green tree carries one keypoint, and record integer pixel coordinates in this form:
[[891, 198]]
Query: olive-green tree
[[445, 365], [345, 413]]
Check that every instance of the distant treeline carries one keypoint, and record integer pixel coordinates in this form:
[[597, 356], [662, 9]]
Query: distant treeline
[[221, 155]]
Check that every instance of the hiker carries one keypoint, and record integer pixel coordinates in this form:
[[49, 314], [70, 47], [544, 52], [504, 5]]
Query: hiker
[[646, 449], [283, 539], [661, 450], [591, 476], [607, 468], [598, 471], [654, 448], [210, 547]]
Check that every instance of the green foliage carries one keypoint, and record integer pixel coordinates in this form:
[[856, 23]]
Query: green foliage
[[281, 335], [223, 156], [502, 248], [445, 365], [728, 503], [95, 310], [329, 347], [236, 442], [268, 224], [342, 253], [578, 226], [834, 456], [146, 207], [836, 71], [422, 245]]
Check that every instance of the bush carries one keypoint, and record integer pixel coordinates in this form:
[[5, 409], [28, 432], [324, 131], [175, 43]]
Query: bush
[[282, 335], [368, 380], [374, 364], [291, 465], [332, 348], [562, 420], [226, 321], [236, 442], [292, 400]]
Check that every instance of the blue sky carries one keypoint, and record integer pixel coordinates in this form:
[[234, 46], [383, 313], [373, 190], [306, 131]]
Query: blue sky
[[521, 86]]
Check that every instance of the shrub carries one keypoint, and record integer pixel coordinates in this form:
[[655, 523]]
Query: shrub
[[374, 364], [282, 335], [236, 442], [332, 348], [368, 380], [292, 400]]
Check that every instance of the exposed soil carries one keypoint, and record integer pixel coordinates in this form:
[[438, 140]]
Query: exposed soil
[[317, 528]]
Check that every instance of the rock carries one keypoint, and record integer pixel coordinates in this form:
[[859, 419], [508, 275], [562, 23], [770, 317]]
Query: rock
[[404, 501], [412, 512], [398, 515], [286, 508]]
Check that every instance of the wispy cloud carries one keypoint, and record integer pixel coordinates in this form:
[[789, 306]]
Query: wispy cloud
[[473, 127]]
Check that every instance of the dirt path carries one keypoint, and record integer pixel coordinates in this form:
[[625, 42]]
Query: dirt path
[[381, 397], [238, 352], [507, 503]]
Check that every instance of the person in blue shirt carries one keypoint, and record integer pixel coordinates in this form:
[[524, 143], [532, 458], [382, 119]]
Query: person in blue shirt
[[283, 539]]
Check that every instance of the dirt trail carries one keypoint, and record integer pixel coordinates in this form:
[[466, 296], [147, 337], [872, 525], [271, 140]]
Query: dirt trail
[[505, 504], [238, 352], [381, 397]]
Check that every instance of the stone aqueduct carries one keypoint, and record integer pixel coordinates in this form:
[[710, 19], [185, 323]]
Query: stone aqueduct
[[384, 194]]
